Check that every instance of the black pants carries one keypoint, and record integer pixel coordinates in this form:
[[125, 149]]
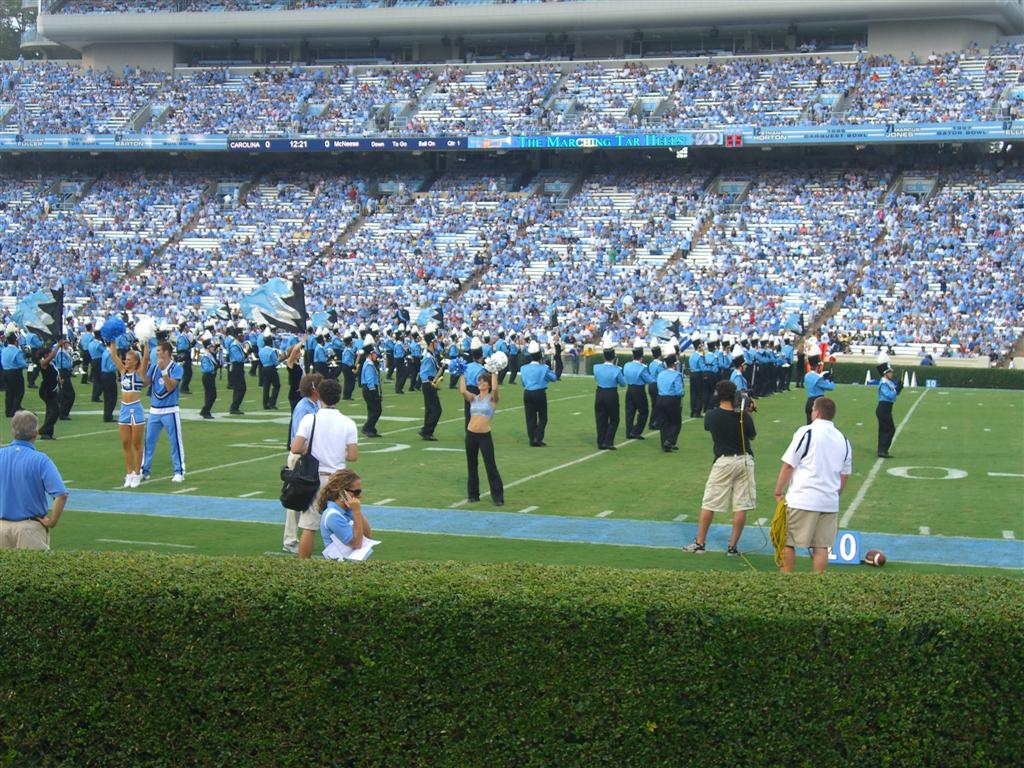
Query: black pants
[[709, 379], [97, 380], [52, 413], [413, 372], [800, 370], [389, 363], [254, 367], [696, 395], [477, 443], [886, 426], [67, 393], [636, 410], [209, 393], [670, 419], [373, 409], [86, 365], [236, 378], [186, 376], [431, 409], [349, 386], [401, 374], [606, 416], [535, 405], [453, 381], [808, 407], [652, 393], [271, 387], [14, 386], [513, 369], [108, 386], [33, 376], [559, 367]]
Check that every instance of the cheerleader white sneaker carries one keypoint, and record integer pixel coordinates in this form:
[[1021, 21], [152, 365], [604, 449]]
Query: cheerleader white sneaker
[[136, 481], [128, 479], [178, 479]]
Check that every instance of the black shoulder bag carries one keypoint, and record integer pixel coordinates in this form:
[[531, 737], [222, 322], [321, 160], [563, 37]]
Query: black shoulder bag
[[302, 483]]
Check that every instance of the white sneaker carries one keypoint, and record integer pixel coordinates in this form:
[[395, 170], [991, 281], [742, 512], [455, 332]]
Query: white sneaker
[[293, 548], [128, 480], [178, 479], [136, 481]]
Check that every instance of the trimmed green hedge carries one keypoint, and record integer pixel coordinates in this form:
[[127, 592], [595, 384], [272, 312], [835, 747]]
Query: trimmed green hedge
[[144, 660], [853, 373], [979, 378]]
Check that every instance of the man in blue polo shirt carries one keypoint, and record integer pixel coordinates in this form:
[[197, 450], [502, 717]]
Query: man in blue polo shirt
[[27, 478]]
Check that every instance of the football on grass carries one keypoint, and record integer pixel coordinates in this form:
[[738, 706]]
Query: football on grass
[[875, 557]]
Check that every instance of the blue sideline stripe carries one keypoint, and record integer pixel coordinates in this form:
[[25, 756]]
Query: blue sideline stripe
[[941, 550]]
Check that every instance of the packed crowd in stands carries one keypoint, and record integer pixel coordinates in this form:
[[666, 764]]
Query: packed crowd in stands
[[39, 97], [948, 270], [604, 254]]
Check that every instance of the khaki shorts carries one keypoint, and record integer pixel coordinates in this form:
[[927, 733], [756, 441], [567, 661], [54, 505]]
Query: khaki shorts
[[731, 478], [309, 519], [811, 529], [24, 534]]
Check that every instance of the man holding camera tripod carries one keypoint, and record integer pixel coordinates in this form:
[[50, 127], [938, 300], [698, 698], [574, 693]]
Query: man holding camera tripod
[[732, 473]]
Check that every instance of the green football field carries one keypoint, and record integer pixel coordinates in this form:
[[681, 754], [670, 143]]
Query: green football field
[[957, 471]]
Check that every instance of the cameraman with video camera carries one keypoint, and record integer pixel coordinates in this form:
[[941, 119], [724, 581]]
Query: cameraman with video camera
[[732, 473]]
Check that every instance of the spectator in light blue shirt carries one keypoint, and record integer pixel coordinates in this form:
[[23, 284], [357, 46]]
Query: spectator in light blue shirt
[[27, 478]]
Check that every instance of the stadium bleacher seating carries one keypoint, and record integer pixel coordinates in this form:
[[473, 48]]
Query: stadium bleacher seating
[[608, 250], [496, 99]]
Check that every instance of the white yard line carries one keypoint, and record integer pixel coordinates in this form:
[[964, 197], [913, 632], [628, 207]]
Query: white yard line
[[1005, 474], [549, 470], [147, 543], [249, 495], [185, 490], [527, 510], [679, 518], [189, 473], [605, 513], [925, 530], [863, 490], [462, 417], [382, 502], [87, 434], [1008, 534]]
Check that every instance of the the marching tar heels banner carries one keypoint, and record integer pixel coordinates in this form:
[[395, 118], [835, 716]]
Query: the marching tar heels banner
[[279, 303], [715, 136], [43, 313]]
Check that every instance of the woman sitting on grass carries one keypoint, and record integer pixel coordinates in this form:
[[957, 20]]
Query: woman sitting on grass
[[341, 512]]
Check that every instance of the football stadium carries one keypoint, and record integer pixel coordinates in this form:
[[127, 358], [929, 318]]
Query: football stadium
[[725, 297]]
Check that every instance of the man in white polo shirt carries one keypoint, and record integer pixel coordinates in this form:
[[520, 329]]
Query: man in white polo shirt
[[815, 467], [334, 445]]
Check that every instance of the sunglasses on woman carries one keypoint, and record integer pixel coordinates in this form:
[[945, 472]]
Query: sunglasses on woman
[[357, 492]]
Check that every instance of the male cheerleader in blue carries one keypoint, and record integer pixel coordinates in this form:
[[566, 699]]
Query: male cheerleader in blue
[[165, 374]]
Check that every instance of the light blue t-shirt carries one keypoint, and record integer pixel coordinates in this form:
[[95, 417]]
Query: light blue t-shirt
[[338, 521], [27, 478], [304, 407]]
